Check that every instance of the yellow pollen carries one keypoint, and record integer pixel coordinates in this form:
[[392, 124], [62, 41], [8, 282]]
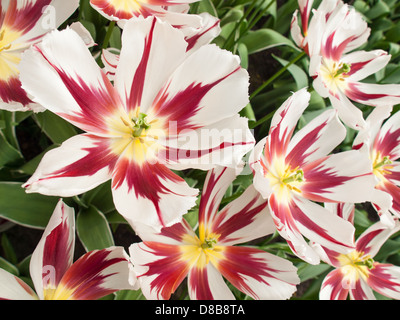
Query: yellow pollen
[[10, 53], [355, 265], [283, 179], [59, 293], [134, 137], [380, 166], [334, 74], [199, 253]]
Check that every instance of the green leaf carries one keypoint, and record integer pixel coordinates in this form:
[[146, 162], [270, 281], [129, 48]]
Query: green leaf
[[28, 209], [8, 154], [378, 10], [264, 39], [308, 271], [207, 6], [57, 129], [299, 76], [129, 295], [244, 55], [5, 265], [232, 15], [93, 229], [9, 252], [101, 197]]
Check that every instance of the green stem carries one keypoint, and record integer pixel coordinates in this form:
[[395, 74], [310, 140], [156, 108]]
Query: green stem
[[253, 125], [276, 75], [108, 34], [79, 202], [228, 41], [253, 21]]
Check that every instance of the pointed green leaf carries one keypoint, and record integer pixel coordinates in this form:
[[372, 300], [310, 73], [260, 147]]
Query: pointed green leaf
[[28, 209], [264, 39], [93, 229], [56, 128]]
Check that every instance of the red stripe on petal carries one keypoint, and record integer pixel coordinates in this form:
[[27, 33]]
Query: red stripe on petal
[[96, 103], [241, 219], [301, 218], [135, 96], [381, 280], [199, 284], [98, 157], [169, 270], [184, 105], [394, 191], [321, 180], [11, 91], [209, 204], [145, 180], [387, 143], [241, 263], [358, 293], [298, 154], [25, 18], [193, 40], [85, 278], [353, 93], [334, 283], [58, 250]]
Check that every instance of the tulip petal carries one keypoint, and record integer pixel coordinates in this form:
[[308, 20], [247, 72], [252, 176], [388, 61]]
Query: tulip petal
[[159, 268], [372, 239], [160, 196], [317, 139], [258, 274], [385, 279], [342, 177], [222, 143], [334, 287], [13, 288], [95, 275], [75, 89], [199, 91], [150, 52], [55, 251], [373, 94], [363, 63], [208, 284], [360, 290], [244, 219], [78, 165], [287, 227], [319, 225]]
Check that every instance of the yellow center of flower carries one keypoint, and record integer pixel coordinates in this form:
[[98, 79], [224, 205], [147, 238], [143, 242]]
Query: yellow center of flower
[[9, 54], [355, 265], [59, 293], [334, 75], [199, 251], [380, 165], [283, 179], [125, 5], [137, 136]]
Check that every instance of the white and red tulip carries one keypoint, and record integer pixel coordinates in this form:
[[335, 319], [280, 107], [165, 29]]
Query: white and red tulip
[[356, 273], [380, 140], [295, 170], [165, 110], [23, 23], [334, 32], [164, 259], [56, 277]]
